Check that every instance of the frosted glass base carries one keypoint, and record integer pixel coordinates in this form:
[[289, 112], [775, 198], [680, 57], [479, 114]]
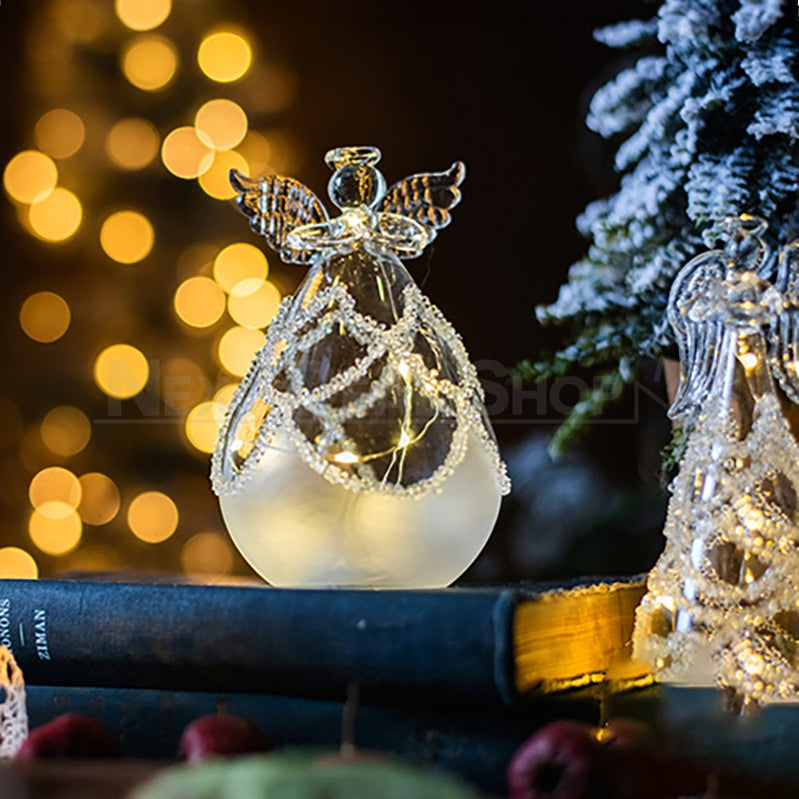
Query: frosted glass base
[[296, 529]]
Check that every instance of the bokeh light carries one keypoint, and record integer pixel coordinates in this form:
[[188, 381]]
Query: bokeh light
[[215, 181], [57, 217], [99, 502], [80, 20], [59, 133], [237, 348], [127, 237], [66, 431], [45, 316], [199, 302], [203, 423], [30, 176], [225, 394], [17, 564], [121, 371], [237, 262], [150, 62], [253, 302], [152, 517], [207, 553], [186, 153], [224, 56], [223, 122], [257, 152], [143, 15], [52, 532], [197, 259], [54, 485], [183, 383], [95, 558], [132, 143]]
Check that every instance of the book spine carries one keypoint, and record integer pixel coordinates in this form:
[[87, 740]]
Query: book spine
[[437, 646], [148, 724]]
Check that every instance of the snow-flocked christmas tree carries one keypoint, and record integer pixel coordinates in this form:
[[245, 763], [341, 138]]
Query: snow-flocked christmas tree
[[708, 124]]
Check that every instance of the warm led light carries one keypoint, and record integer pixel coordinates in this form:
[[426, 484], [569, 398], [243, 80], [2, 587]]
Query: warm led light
[[186, 153], [207, 553], [44, 316], [203, 423], [60, 133], [237, 349], [224, 56], [57, 217], [253, 303], [215, 182], [121, 371], [55, 485], [152, 517], [53, 534], [143, 15], [225, 394], [256, 151], [66, 431], [199, 302], [150, 62], [99, 502], [749, 360], [346, 457], [17, 564], [30, 176], [79, 20], [127, 237], [223, 122], [132, 143], [237, 262]]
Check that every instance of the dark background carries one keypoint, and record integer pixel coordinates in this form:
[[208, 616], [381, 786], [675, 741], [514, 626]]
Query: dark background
[[506, 91]]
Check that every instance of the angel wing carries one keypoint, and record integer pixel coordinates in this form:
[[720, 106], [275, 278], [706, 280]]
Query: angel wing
[[276, 205], [426, 198], [785, 331], [699, 333]]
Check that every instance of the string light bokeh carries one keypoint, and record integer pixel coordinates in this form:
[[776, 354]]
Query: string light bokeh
[[138, 323], [120, 235]]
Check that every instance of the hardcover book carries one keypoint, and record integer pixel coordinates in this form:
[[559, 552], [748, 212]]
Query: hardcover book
[[487, 646]]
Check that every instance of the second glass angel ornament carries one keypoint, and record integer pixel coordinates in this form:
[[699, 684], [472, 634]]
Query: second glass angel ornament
[[721, 605], [357, 451]]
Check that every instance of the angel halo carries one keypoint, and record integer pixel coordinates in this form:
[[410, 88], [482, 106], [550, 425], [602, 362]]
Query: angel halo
[[357, 450], [722, 602]]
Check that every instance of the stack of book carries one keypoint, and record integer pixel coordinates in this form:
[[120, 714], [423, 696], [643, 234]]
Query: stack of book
[[457, 677]]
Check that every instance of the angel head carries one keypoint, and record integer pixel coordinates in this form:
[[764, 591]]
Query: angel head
[[404, 218]]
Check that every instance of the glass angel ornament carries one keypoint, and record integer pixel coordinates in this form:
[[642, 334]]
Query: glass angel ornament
[[722, 605], [357, 450]]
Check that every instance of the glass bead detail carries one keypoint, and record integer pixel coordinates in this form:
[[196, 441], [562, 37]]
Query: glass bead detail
[[721, 605]]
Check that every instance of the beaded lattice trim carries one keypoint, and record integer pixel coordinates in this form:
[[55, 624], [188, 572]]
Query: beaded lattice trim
[[294, 331]]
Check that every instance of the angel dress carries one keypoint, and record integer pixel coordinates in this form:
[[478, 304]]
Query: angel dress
[[357, 451], [721, 602]]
